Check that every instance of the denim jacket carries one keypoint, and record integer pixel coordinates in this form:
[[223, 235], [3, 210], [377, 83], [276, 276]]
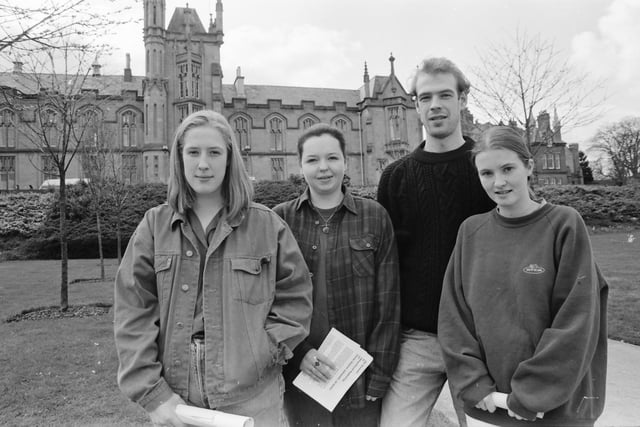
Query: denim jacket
[[265, 291]]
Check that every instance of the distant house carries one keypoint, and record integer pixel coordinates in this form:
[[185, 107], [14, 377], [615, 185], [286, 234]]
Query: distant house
[[556, 162]]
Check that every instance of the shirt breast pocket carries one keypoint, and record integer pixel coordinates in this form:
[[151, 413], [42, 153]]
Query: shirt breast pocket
[[363, 254], [250, 279]]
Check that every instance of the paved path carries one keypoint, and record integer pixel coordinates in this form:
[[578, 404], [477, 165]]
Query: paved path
[[622, 407]]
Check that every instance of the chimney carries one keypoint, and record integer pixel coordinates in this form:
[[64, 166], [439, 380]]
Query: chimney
[[96, 69], [127, 69], [239, 84], [17, 66]]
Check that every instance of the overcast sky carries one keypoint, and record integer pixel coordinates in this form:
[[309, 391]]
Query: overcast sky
[[324, 43]]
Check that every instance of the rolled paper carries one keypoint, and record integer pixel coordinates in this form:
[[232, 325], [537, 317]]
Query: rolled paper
[[500, 400], [210, 418]]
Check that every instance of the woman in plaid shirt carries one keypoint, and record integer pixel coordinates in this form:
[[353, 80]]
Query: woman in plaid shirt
[[349, 246]]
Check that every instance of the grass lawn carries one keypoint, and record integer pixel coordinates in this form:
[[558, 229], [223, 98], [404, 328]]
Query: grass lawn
[[62, 372], [618, 255]]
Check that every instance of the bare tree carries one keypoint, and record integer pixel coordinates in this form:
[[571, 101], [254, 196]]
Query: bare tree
[[525, 75], [108, 182], [619, 146], [97, 154], [57, 114], [59, 38], [52, 24]]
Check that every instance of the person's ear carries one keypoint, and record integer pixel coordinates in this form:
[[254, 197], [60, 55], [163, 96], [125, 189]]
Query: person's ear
[[530, 166], [463, 100]]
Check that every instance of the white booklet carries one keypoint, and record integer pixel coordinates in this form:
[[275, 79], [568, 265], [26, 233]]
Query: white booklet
[[350, 361]]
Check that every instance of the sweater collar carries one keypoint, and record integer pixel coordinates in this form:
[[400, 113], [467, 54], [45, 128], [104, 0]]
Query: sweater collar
[[428, 157]]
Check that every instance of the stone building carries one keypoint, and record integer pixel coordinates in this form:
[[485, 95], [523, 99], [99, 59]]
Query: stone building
[[556, 162], [183, 74]]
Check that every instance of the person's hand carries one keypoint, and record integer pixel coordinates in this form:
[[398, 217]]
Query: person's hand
[[487, 403], [317, 366], [514, 415], [165, 414], [370, 398]]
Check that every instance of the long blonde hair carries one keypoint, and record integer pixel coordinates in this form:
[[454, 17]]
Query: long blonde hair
[[237, 190]]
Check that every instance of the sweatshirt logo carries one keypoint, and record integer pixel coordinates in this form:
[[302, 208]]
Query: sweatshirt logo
[[533, 269]]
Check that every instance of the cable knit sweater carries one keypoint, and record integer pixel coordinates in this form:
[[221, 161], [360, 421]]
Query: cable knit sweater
[[428, 195]]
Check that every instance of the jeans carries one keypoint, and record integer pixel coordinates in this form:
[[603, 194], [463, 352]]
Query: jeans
[[416, 382], [265, 408]]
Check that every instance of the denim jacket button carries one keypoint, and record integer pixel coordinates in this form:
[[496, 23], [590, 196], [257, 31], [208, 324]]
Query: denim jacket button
[[314, 247], [176, 363], [189, 253], [179, 325], [185, 287]]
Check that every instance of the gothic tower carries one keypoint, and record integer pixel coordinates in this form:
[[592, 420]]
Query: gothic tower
[[155, 85]]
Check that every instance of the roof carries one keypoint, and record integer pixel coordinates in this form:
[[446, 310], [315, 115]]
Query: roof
[[183, 16], [294, 95], [106, 85], [256, 94]]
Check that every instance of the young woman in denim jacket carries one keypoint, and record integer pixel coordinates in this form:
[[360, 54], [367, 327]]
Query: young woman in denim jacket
[[213, 293]]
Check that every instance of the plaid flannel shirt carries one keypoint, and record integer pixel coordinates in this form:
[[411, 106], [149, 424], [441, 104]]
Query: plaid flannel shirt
[[363, 295]]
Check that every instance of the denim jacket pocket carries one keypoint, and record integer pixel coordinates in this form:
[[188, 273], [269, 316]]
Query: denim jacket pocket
[[250, 283], [363, 257], [162, 265]]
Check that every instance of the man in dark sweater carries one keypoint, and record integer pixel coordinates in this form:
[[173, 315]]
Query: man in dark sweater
[[428, 194]]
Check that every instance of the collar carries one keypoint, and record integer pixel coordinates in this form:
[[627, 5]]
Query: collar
[[347, 201], [224, 218]]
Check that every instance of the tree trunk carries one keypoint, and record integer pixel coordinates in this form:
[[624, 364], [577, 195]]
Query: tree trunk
[[102, 276], [64, 250], [119, 239]]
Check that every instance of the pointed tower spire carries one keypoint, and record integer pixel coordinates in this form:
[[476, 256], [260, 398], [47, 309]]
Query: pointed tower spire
[[219, 16], [367, 92], [556, 120], [557, 126], [392, 75], [391, 60], [211, 24]]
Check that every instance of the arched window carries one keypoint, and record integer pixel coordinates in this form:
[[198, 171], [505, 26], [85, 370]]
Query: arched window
[[277, 169], [49, 122], [307, 123], [128, 130], [394, 123], [7, 172], [130, 168], [276, 130], [7, 129], [195, 80], [89, 123], [340, 124], [241, 128], [48, 167]]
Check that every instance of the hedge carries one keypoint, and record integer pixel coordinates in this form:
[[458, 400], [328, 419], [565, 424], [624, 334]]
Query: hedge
[[29, 221]]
